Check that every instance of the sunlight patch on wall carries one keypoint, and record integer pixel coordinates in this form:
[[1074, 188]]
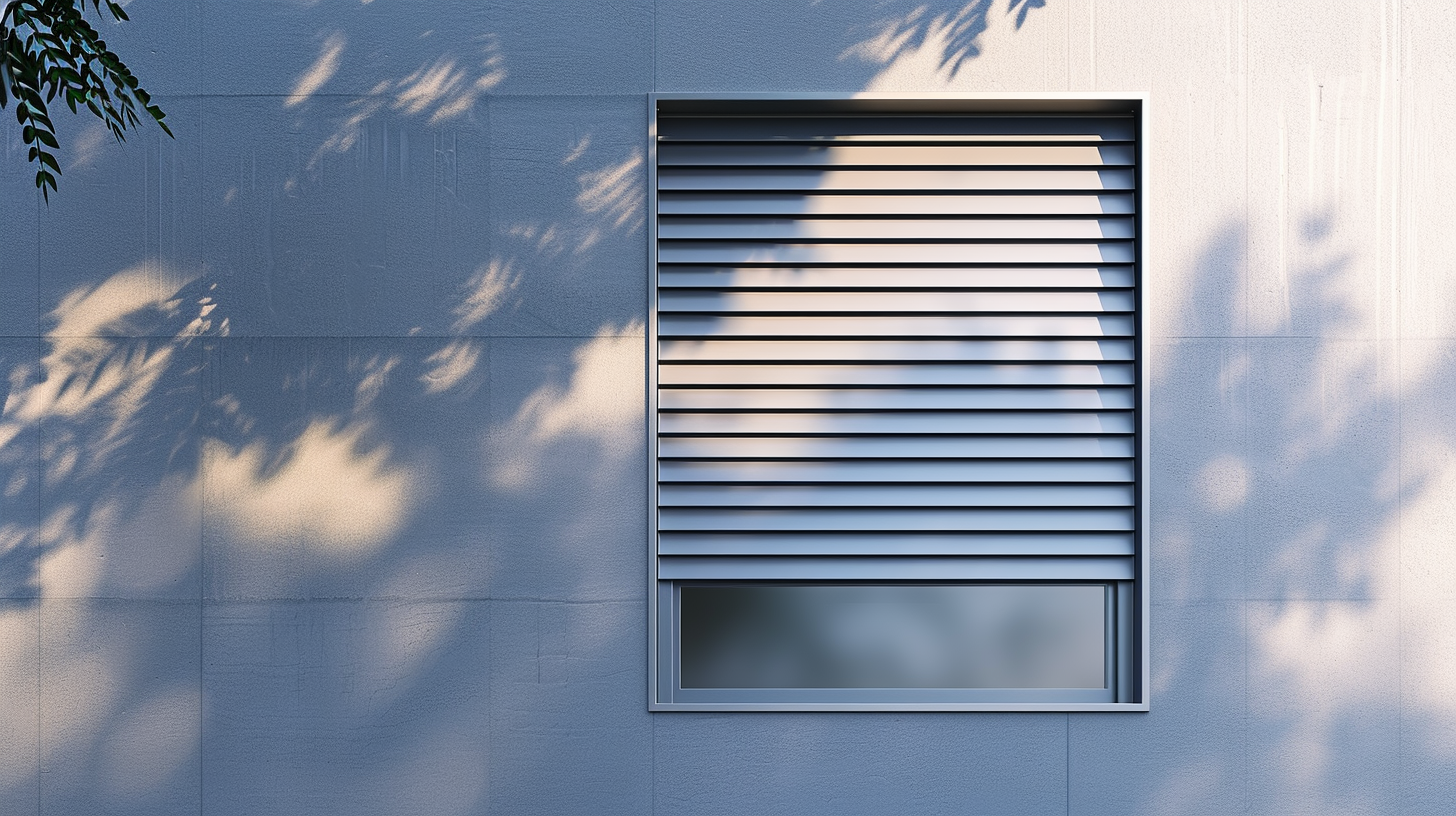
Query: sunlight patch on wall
[[374, 376], [578, 150], [615, 192], [322, 70], [325, 487], [927, 51], [18, 676], [106, 309], [101, 369], [86, 147], [148, 547], [1428, 576], [1321, 663], [603, 403], [1190, 789], [613, 197], [445, 91], [73, 550], [485, 293], [1337, 659], [438, 91], [1224, 483], [604, 396], [83, 671], [401, 639], [149, 742], [450, 366]]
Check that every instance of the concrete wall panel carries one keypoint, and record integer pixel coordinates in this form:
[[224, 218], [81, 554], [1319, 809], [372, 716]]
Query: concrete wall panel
[[374, 707], [921, 763]]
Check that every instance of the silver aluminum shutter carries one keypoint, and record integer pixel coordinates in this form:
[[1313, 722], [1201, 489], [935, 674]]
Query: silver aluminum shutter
[[896, 346]]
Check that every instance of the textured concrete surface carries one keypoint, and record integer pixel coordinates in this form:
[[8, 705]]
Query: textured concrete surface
[[322, 469]]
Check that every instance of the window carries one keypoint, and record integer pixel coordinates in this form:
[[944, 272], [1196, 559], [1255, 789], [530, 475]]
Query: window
[[898, 404]]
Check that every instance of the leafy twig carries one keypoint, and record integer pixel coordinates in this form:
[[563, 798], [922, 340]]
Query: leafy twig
[[48, 49]]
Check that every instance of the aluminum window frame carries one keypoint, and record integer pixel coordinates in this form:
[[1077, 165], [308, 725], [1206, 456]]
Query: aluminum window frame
[[1128, 633]]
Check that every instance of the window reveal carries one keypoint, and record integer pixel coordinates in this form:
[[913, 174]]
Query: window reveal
[[897, 388]]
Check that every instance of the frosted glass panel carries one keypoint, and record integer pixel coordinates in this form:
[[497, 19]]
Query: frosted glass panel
[[893, 636]]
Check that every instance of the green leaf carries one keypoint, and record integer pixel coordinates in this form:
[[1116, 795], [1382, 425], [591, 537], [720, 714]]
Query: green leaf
[[48, 47], [43, 176]]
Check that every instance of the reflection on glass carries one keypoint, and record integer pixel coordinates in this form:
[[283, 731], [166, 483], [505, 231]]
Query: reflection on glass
[[893, 636]]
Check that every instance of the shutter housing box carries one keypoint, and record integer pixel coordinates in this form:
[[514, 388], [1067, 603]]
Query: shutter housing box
[[897, 396]]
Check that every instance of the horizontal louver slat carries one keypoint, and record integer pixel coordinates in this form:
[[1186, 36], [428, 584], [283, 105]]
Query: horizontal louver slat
[[903, 229], [903, 422], [920, 568], [807, 303], [918, 495], [886, 374], [890, 399], [910, 447], [749, 252], [678, 325], [893, 472], [919, 155], [812, 203], [896, 543], [896, 350], [895, 277], [880, 518], [897, 127], [811, 179]]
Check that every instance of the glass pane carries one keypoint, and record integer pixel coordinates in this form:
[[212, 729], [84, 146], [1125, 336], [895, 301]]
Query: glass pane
[[893, 636]]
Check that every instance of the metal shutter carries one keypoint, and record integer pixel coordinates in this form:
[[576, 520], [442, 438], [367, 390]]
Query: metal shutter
[[896, 346]]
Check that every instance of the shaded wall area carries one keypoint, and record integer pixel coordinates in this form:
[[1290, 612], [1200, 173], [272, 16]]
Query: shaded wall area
[[322, 444]]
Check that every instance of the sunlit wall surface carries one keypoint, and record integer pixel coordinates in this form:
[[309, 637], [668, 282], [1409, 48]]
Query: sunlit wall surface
[[322, 460]]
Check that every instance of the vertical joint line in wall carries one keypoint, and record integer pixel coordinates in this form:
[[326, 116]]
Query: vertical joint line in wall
[[1068, 772], [201, 594], [1242, 43], [152, 227], [1383, 271], [652, 775], [39, 469], [1398, 242], [1245, 717], [491, 608], [1239, 42], [39, 699], [1287, 316]]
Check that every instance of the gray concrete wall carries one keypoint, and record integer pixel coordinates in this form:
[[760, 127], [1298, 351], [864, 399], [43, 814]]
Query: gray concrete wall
[[322, 449]]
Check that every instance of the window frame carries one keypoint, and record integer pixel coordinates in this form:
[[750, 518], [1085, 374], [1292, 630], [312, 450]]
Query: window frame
[[1129, 640]]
